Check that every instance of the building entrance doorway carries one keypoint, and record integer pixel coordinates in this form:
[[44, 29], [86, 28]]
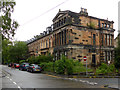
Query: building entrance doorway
[[94, 59]]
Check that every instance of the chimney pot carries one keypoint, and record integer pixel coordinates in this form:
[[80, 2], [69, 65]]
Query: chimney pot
[[82, 9]]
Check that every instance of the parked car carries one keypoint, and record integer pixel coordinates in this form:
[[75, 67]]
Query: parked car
[[10, 64], [24, 66], [16, 65], [34, 68]]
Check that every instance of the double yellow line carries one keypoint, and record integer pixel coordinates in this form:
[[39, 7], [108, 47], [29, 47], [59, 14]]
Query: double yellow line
[[53, 76]]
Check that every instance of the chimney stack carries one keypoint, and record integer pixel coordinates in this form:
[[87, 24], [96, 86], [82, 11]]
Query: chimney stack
[[83, 12]]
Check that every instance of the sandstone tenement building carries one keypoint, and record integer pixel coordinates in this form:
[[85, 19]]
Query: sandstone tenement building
[[77, 35]]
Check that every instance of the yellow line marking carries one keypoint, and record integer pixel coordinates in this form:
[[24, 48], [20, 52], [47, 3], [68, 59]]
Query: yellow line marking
[[74, 76], [53, 76], [103, 87]]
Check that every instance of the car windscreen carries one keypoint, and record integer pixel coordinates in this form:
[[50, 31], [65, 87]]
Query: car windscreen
[[36, 66], [26, 64]]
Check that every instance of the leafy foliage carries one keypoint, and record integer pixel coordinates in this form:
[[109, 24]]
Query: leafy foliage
[[6, 45], [40, 59], [64, 66], [47, 66], [22, 61], [105, 69], [19, 51], [79, 67], [14, 53], [7, 25], [60, 67]]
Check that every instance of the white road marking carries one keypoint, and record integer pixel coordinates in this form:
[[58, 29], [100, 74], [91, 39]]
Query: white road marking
[[83, 81], [80, 80], [91, 83], [14, 82], [76, 80], [95, 83], [7, 77], [19, 87], [87, 81]]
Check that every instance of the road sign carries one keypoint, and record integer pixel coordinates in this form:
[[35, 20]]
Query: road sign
[[84, 58]]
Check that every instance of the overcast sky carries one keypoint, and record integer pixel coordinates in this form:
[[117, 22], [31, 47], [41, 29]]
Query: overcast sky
[[34, 16]]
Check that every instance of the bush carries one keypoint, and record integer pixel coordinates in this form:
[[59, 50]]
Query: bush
[[64, 66], [32, 59], [105, 69], [77, 63], [40, 59], [79, 67], [21, 61], [60, 67], [69, 66], [47, 66]]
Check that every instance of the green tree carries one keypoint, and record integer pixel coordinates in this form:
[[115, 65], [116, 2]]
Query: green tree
[[117, 56], [6, 44], [7, 25], [19, 51]]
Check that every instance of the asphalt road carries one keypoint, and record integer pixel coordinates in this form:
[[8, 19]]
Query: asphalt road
[[22, 79]]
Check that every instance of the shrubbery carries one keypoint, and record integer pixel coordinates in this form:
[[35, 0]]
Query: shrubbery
[[67, 66], [47, 66], [40, 59], [22, 61], [79, 67], [64, 66], [105, 69], [60, 67]]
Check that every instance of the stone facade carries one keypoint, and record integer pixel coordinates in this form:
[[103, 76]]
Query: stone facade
[[77, 35], [116, 40]]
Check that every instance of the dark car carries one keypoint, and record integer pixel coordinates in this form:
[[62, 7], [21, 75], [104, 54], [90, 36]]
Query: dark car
[[24, 66], [34, 68], [10, 64]]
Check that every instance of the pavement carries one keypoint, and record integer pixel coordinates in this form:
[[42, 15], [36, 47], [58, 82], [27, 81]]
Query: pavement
[[1, 77]]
